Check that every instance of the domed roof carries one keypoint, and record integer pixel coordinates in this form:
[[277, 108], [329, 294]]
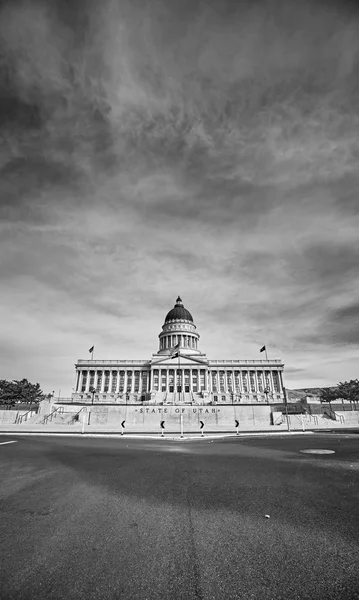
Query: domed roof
[[179, 312]]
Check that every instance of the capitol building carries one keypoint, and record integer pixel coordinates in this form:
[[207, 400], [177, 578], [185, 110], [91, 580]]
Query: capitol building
[[178, 373]]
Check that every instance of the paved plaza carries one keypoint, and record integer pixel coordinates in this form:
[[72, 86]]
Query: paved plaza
[[244, 518]]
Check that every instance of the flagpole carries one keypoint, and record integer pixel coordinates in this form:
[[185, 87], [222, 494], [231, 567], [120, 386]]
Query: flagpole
[[266, 352]]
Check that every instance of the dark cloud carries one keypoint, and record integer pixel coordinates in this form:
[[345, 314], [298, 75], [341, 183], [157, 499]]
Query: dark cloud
[[208, 146], [327, 265]]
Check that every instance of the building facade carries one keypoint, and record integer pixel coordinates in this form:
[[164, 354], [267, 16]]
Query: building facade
[[179, 373]]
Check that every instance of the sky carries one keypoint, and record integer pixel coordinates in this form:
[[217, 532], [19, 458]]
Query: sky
[[155, 148]]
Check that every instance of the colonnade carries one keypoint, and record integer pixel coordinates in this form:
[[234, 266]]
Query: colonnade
[[180, 378], [184, 341]]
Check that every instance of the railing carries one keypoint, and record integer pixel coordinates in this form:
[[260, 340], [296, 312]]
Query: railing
[[245, 362], [20, 418], [76, 416], [311, 418], [59, 409], [329, 412], [82, 361]]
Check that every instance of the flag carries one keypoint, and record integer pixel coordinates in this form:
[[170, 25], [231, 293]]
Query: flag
[[91, 349], [176, 347], [174, 355], [262, 349]]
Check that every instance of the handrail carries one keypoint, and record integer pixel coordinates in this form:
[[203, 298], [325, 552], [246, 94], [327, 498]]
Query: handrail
[[59, 409], [77, 414], [327, 410], [20, 418], [310, 417]]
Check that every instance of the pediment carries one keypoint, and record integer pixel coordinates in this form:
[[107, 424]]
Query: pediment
[[183, 360]]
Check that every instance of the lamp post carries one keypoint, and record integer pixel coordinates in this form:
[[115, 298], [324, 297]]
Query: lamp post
[[92, 392], [266, 391]]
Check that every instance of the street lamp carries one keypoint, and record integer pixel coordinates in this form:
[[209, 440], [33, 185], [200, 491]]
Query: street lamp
[[92, 392], [266, 391]]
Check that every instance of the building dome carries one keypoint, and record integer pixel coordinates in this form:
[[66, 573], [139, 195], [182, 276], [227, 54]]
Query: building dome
[[178, 312]]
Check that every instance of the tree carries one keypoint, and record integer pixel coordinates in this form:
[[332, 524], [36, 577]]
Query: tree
[[349, 390], [6, 392], [329, 394], [20, 390]]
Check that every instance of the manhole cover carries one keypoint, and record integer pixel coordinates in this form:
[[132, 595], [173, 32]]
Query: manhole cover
[[318, 451]]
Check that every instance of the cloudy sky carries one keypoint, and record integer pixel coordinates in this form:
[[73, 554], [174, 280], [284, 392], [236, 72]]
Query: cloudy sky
[[154, 148]]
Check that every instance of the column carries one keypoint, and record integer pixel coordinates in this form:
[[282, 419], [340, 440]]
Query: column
[[79, 382], [87, 381], [110, 382], [279, 383], [103, 382], [256, 382]]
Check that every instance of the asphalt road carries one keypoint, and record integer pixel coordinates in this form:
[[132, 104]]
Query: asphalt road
[[95, 518]]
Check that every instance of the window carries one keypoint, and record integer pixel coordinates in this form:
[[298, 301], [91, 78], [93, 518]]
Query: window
[[221, 381], [84, 381], [214, 381], [107, 381], [114, 382], [171, 375], [129, 381], [122, 382], [276, 381], [260, 381], [144, 381], [252, 381], [203, 379], [237, 383], [163, 380], [267, 379], [179, 380], [92, 379], [195, 381], [137, 381], [229, 381], [99, 381], [245, 381], [155, 380]]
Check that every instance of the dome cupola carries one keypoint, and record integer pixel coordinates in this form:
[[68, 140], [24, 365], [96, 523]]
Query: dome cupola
[[178, 332], [179, 312]]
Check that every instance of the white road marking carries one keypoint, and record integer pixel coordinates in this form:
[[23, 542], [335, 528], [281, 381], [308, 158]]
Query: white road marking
[[12, 442], [318, 451]]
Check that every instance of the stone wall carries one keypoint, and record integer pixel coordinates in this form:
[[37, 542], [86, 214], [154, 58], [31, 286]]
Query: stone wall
[[149, 418]]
